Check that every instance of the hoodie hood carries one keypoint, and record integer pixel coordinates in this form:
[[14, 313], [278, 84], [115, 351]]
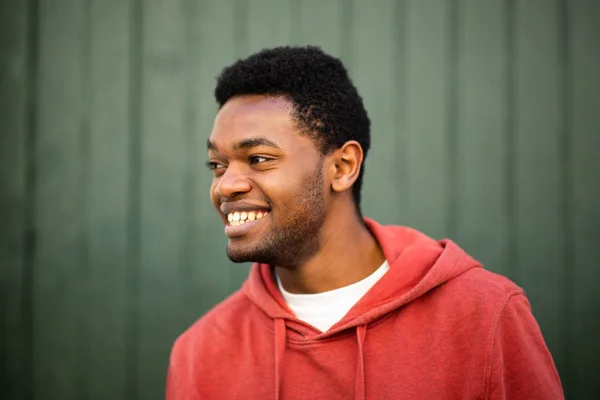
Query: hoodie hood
[[417, 265]]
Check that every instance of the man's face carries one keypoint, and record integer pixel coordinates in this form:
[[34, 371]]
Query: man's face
[[268, 184]]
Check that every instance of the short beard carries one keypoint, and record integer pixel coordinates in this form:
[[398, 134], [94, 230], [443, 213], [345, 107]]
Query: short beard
[[293, 244]]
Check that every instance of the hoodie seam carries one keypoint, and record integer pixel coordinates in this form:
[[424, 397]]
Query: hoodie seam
[[493, 338]]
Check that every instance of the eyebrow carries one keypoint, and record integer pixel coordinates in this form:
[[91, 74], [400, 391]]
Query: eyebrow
[[246, 144]]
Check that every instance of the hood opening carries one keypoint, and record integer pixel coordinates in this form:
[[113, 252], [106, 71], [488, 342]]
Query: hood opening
[[280, 339]]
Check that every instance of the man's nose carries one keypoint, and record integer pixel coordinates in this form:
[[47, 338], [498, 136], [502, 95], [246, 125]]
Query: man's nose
[[232, 183]]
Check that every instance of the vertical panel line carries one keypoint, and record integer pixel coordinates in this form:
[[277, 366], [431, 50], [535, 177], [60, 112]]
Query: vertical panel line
[[191, 153], [452, 120], [402, 138], [566, 162], [240, 27], [347, 12], [29, 238], [511, 110], [132, 330], [84, 179], [296, 22]]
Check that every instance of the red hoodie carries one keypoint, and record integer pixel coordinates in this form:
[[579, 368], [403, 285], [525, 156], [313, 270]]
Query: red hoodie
[[435, 326]]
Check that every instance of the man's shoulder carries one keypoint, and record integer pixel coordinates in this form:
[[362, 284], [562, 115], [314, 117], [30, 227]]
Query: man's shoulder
[[483, 288], [491, 282]]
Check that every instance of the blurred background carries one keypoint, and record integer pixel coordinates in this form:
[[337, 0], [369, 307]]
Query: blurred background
[[486, 130]]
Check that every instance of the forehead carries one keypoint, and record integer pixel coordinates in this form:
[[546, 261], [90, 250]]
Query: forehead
[[252, 116]]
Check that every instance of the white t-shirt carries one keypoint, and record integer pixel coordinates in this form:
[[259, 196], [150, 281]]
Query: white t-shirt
[[323, 310]]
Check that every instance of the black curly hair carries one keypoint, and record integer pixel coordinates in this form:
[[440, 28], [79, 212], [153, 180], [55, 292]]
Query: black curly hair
[[326, 105]]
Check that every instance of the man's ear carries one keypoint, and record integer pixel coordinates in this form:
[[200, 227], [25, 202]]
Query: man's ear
[[346, 165]]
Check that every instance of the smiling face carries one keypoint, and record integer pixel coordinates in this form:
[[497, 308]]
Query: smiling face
[[268, 184]]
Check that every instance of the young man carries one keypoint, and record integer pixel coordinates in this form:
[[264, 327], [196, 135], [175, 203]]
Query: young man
[[338, 306]]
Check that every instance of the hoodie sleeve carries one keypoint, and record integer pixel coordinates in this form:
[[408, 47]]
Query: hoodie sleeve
[[521, 365]]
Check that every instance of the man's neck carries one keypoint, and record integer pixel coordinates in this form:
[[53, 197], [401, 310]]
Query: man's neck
[[348, 253]]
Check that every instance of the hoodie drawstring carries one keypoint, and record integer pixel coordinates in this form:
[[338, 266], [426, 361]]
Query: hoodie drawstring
[[280, 339], [359, 380], [279, 346]]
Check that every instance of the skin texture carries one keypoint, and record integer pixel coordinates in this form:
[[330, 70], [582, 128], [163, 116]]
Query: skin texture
[[312, 234]]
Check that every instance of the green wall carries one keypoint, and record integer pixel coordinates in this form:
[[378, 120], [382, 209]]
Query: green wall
[[486, 129]]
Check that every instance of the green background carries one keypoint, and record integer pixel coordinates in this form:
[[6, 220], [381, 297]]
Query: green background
[[486, 129]]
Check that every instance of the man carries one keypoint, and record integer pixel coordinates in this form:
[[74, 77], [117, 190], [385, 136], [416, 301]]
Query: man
[[338, 306]]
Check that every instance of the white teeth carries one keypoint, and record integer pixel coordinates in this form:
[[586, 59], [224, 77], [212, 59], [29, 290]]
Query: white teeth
[[239, 218]]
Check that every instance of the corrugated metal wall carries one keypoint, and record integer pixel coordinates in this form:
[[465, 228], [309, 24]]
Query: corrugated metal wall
[[486, 129]]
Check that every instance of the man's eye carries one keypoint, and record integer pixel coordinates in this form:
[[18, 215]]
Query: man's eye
[[212, 165], [257, 159]]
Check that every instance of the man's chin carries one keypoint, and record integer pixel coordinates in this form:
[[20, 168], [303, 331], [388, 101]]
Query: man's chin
[[238, 255], [239, 260]]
